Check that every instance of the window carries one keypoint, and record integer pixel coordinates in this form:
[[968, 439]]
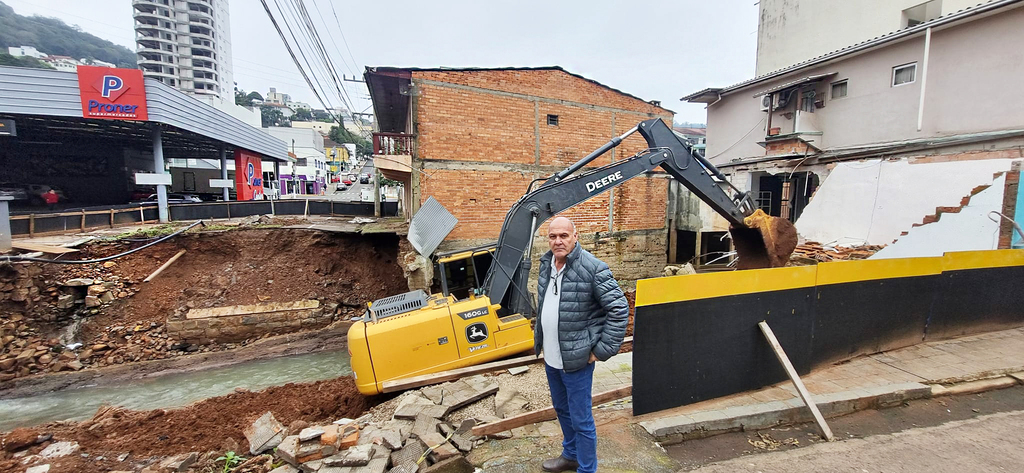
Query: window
[[553, 120], [921, 13], [839, 89], [904, 74]]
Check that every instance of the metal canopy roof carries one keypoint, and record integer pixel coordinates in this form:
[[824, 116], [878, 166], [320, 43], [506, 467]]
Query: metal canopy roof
[[795, 83], [51, 99]]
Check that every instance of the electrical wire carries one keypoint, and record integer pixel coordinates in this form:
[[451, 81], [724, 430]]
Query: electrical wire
[[13, 259]]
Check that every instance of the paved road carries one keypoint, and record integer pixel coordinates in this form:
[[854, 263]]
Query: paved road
[[352, 194], [990, 443]]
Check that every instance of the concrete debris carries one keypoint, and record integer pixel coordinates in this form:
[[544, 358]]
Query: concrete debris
[[179, 463], [356, 456], [79, 282], [412, 410], [38, 469], [518, 370], [508, 402], [59, 449], [674, 270], [451, 465], [310, 433], [264, 434], [285, 469], [405, 468], [410, 453]]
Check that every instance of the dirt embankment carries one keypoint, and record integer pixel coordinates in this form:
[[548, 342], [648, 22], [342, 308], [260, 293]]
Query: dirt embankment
[[222, 268]]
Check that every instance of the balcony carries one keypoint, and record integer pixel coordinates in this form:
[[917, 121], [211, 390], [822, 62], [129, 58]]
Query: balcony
[[393, 154], [143, 26]]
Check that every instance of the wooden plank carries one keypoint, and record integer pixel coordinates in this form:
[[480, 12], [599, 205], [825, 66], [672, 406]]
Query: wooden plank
[[164, 266], [435, 378], [450, 375], [795, 378], [48, 249], [546, 414]]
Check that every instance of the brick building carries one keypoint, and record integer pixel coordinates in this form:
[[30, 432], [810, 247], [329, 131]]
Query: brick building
[[475, 138]]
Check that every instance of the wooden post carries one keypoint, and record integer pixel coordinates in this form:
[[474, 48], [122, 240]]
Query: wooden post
[[111, 218], [83, 220], [272, 212], [826, 432], [164, 266], [229, 209], [31, 225], [305, 213], [142, 214]]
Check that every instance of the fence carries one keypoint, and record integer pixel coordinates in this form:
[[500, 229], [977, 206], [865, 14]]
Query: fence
[[63, 222]]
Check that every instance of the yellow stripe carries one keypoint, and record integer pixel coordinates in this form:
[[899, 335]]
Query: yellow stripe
[[961, 260], [707, 285], [868, 270]]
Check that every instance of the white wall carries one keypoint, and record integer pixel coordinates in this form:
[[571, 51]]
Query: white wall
[[970, 229], [874, 201], [792, 31]]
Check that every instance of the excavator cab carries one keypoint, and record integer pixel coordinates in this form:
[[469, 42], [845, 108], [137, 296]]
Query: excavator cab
[[460, 272]]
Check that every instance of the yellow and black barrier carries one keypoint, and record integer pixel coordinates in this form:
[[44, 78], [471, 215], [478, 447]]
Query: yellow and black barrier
[[696, 336]]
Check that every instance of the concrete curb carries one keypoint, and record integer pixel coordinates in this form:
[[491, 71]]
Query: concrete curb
[[679, 428]]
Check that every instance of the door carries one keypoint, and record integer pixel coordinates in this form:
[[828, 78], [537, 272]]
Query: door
[[190, 181]]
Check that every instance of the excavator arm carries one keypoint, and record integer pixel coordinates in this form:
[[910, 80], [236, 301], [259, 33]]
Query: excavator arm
[[566, 189]]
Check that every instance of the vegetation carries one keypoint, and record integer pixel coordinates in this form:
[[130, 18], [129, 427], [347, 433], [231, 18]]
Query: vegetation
[[340, 135], [230, 460], [272, 116], [54, 37], [25, 61], [246, 100], [302, 115]]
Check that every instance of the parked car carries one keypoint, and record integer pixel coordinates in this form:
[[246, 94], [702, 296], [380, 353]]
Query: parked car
[[364, 178], [17, 191], [175, 198], [347, 181]]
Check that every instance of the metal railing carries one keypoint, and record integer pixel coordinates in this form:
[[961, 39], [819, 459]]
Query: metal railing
[[392, 144]]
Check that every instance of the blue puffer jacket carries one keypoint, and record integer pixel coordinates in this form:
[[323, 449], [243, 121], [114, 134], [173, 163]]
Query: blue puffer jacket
[[592, 311]]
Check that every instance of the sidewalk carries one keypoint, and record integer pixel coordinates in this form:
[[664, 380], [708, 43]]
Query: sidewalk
[[868, 382]]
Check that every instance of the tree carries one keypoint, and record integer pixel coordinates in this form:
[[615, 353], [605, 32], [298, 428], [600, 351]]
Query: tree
[[254, 96], [340, 135], [322, 116], [247, 99], [302, 115], [53, 36], [24, 61], [272, 116]]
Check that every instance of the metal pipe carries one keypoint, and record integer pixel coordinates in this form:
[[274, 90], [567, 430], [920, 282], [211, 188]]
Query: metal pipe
[[592, 156], [224, 170], [924, 76]]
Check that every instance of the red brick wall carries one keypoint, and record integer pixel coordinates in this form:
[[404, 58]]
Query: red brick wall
[[462, 131]]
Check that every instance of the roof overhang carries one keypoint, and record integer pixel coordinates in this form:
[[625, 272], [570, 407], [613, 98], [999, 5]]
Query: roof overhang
[[389, 91], [796, 83], [48, 95], [709, 95]]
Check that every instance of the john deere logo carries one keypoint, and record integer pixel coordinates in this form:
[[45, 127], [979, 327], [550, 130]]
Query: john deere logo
[[476, 333]]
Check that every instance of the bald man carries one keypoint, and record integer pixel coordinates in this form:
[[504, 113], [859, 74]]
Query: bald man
[[582, 319]]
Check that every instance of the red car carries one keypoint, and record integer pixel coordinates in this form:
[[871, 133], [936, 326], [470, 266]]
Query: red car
[[347, 181]]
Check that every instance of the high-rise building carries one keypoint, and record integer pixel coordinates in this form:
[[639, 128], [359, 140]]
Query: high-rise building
[[186, 44]]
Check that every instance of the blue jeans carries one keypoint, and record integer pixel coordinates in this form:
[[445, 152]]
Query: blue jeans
[[570, 395]]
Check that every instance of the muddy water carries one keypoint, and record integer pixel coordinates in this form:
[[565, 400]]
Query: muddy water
[[173, 390]]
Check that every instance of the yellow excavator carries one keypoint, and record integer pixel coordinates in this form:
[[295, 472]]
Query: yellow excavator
[[415, 334]]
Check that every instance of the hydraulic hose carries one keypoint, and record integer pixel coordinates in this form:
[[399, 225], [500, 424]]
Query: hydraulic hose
[[13, 259]]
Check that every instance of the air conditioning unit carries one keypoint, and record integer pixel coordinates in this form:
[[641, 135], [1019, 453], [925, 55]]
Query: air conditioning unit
[[769, 100]]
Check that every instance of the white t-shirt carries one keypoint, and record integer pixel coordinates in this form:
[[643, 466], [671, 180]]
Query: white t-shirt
[[549, 318]]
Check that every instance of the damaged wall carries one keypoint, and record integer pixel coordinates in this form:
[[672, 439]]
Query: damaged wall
[[874, 201]]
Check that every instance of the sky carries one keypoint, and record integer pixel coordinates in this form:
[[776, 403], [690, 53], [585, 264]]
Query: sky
[[656, 50]]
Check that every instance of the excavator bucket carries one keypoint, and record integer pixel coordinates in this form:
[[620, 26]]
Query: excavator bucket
[[765, 242]]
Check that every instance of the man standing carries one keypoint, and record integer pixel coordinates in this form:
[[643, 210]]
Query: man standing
[[583, 317]]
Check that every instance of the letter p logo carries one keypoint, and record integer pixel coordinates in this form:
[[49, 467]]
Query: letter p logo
[[111, 84]]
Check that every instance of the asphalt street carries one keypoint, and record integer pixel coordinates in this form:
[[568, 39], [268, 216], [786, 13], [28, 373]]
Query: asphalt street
[[352, 194]]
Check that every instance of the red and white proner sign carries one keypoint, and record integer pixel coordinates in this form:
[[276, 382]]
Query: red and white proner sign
[[112, 94]]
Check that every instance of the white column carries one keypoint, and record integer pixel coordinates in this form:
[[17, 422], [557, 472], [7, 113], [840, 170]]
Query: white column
[[5, 224], [158, 168], [224, 170]]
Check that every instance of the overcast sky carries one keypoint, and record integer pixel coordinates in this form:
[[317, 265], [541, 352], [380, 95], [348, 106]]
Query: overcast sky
[[656, 50]]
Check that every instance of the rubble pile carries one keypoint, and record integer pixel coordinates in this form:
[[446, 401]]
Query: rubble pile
[[420, 436], [813, 252]]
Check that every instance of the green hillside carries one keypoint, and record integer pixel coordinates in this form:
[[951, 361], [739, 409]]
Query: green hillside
[[54, 37]]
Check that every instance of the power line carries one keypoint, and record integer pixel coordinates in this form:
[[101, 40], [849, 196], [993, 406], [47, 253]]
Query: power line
[[342, 33]]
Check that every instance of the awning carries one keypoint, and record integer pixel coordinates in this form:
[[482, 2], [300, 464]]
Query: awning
[[795, 83]]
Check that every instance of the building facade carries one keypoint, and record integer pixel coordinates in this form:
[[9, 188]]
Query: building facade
[[790, 31], [891, 122], [309, 174], [186, 44], [474, 139]]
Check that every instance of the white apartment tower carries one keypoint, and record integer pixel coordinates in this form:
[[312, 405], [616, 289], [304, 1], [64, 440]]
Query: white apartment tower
[[186, 44]]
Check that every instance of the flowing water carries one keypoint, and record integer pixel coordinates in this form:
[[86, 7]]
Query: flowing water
[[173, 390]]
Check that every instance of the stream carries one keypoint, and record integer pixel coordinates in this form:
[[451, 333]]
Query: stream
[[173, 390]]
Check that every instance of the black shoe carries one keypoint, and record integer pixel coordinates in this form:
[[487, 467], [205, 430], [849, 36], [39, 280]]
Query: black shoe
[[560, 464]]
